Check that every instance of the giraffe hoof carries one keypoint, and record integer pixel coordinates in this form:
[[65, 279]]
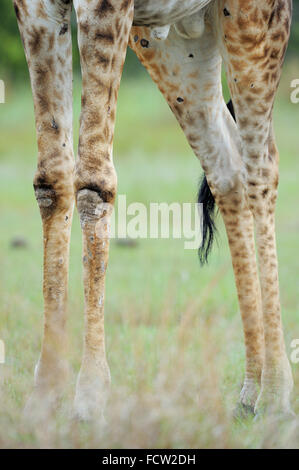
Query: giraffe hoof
[[278, 416], [248, 396], [87, 412], [273, 407], [91, 395], [243, 412], [40, 406]]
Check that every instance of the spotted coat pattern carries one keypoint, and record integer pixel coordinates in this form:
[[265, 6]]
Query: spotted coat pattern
[[240, 159]]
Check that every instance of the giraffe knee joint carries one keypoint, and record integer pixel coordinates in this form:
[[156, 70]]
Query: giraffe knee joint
[[53, 197], [51, 200], [47, 200], [93, 204], [46, 197], [89, 204]]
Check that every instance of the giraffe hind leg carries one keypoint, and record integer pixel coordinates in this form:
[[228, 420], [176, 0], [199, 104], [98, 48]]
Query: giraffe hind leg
[[253, 80], [188, 73]]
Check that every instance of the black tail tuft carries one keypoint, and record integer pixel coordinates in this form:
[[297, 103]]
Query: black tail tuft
[[231, 109], [206, 198]]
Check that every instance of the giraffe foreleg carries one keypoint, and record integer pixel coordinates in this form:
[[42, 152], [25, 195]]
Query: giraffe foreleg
[[45, 30], [103, 33]]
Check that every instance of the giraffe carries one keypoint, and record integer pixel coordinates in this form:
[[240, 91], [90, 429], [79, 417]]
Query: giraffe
[[183, 44]]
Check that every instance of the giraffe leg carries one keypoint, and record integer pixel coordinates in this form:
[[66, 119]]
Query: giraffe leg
[[103, 38], [188, 73], [254, 38], [45, 30]]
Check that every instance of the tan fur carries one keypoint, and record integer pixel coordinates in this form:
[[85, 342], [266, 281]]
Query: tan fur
[[240, 160]]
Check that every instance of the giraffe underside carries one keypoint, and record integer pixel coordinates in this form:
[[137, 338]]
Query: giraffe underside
[[164, 12]]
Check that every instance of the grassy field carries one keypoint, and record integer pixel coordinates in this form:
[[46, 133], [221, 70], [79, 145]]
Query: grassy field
[[174, 334]]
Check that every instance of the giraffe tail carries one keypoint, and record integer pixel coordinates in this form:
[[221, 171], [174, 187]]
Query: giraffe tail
[[206, 198]]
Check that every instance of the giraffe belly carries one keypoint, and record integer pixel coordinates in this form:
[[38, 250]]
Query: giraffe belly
[[165, 12]]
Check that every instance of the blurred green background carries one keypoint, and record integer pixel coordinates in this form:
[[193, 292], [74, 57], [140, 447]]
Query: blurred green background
[[174, 333]]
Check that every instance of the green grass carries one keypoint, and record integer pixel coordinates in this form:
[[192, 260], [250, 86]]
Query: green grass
[[174, 334]]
